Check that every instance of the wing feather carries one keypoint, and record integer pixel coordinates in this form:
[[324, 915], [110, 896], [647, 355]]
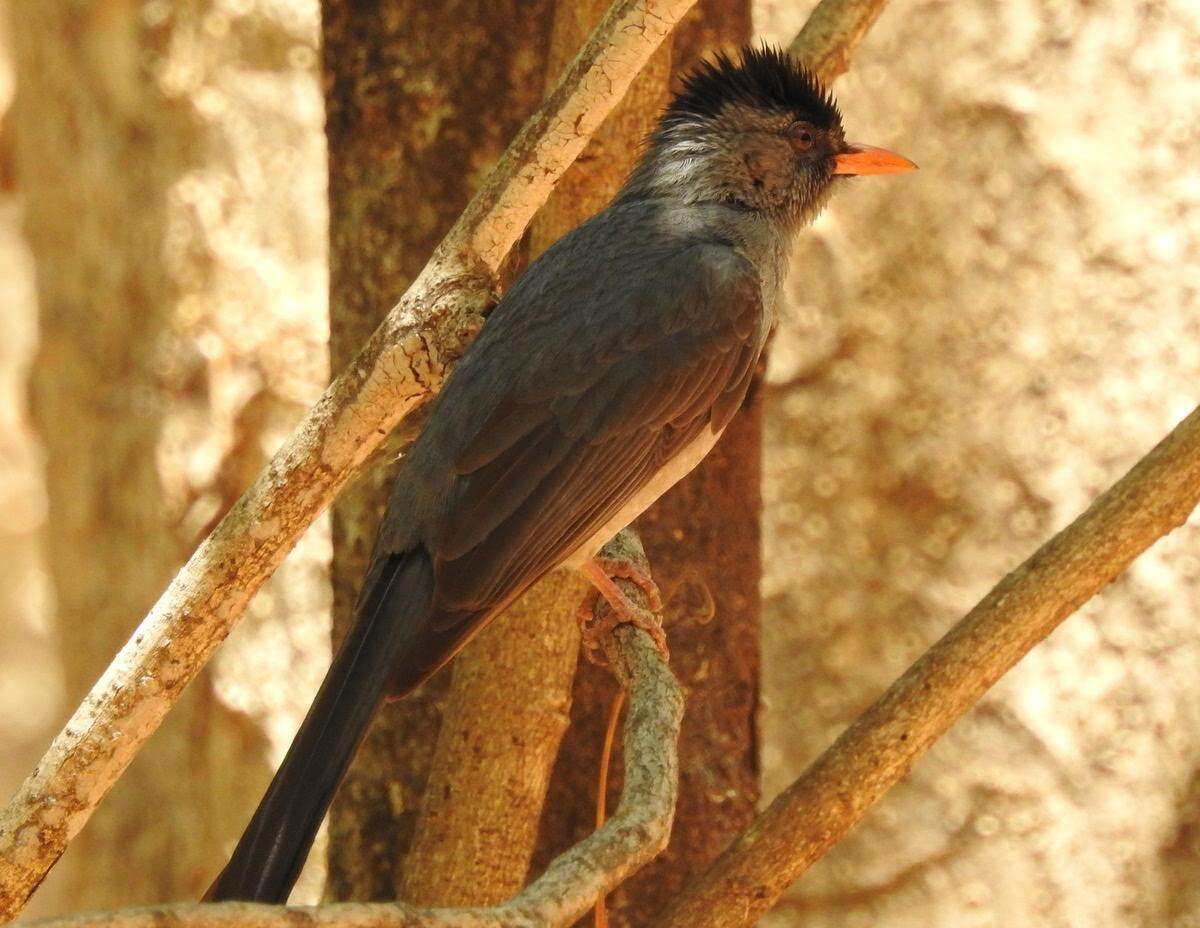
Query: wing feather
[[550, 467]]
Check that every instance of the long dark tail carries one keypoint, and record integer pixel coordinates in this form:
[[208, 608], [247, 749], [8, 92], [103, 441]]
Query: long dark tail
[[392, 619]]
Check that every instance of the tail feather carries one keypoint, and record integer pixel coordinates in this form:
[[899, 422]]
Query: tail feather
[[392, 620]]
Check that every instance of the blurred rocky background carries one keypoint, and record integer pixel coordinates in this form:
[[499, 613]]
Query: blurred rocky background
[[970, 355], [165, 166]]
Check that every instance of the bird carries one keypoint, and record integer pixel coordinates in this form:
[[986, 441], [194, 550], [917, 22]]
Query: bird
[[606, 372]]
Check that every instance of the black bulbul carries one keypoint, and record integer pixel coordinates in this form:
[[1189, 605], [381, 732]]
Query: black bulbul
[[602, 377]]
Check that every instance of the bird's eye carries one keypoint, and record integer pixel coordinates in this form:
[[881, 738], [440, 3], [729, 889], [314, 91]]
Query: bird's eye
[[802, 139]]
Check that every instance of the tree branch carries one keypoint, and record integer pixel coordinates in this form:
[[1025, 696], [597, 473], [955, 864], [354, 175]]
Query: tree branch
[[400, 367], [571, 884], [832, 33], [812, 814]]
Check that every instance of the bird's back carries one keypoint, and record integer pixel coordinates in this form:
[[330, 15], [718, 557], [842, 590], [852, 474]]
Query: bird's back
[[583, 300]]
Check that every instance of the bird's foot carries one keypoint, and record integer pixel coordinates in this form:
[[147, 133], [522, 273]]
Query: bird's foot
[[620, 568], [601, 571]]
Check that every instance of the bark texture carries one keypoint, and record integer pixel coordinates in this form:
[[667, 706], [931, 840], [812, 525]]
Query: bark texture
[[703, 539], [411, 133], [505, 714], [508, 706]]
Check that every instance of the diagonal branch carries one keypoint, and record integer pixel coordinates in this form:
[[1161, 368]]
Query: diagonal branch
[[399, 368], [832, 33], [571, 884], [813, 814]]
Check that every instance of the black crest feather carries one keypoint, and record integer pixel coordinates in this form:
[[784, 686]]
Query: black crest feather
[[762, 77]]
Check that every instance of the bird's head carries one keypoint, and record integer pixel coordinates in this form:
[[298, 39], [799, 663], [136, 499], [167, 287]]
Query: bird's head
[[758, 132]]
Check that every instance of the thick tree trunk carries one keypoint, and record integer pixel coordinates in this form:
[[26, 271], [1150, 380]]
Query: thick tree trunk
[[454, 862], [510, 699], [421, 99], [401, 159], [703, 535], [96, 180]]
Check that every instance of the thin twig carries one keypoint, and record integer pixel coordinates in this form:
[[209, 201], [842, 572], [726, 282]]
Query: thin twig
[[812, 815], [400, 367]]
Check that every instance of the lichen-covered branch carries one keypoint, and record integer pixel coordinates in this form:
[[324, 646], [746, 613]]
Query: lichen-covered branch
[[573, 881], [812, 814], [402, 364]]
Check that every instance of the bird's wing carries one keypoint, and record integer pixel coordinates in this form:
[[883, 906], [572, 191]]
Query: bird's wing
[[573, 440]]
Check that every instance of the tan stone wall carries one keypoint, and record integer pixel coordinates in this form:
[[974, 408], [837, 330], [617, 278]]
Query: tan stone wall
[[181, 278], [31, 700], [974, 352]]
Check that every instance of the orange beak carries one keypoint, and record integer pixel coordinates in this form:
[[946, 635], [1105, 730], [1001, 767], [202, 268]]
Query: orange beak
[[866, 159]]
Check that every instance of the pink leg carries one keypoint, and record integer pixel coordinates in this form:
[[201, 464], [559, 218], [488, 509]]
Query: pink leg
[[600, 571], [609, 567]]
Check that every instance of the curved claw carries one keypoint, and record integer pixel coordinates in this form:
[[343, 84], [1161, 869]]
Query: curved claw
[[601, 571]]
